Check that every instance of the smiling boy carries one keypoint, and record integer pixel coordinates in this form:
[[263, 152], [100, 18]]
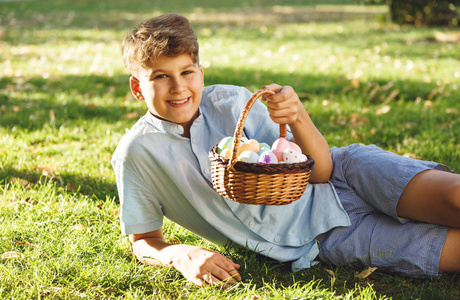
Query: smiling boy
[[171, 88], [353, 207]]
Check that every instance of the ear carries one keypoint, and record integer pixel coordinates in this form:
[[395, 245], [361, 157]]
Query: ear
[[135, 88]]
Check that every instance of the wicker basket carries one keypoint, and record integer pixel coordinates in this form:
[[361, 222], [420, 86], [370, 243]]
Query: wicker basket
[[252, 183]]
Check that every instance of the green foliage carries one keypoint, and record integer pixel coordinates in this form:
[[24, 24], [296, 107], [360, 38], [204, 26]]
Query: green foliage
[[65, 103], [426, 12]]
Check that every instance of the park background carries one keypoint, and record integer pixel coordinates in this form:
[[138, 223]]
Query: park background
[[65, 103]]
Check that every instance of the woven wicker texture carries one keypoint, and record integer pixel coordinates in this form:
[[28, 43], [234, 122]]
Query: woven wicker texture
[[263, 184]]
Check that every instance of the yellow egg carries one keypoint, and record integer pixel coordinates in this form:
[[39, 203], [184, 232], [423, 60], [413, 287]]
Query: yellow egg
[[225, 143], [226, 153]]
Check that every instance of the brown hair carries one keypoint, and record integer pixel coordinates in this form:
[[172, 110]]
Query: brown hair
[[168, 34]]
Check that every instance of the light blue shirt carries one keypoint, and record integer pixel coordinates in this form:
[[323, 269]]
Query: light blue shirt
[[162, 174]]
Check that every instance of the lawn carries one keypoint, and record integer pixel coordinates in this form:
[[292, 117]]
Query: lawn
[[65, 103]]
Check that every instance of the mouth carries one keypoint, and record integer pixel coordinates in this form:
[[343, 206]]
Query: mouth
[[179, 101]]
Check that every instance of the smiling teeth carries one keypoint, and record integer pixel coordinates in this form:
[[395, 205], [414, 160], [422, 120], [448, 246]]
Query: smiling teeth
[[178, 101]]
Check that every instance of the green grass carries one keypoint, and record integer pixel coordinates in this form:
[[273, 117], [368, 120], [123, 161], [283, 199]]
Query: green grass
[[65, 104]]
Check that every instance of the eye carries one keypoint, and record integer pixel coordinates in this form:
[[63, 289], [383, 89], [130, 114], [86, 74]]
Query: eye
[[161, 76], [187, 72]]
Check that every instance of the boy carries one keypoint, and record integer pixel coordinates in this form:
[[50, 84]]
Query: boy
[[364, 206]]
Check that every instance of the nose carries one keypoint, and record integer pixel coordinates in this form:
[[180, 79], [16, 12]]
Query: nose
[[177, 85]]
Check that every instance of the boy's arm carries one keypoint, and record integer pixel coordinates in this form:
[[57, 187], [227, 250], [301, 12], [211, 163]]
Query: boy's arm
[[198, 265], [285, 107]]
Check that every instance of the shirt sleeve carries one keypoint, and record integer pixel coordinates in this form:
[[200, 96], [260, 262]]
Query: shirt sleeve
[[140, 210]]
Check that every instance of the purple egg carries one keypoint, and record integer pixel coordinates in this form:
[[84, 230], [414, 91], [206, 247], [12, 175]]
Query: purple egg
[[268, 157]]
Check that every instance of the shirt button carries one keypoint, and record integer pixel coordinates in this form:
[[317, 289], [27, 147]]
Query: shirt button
[[306, 239], [251, 224], [206, 171], [178, 127], [277, 239]]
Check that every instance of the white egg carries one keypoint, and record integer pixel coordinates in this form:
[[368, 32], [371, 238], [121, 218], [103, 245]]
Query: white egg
[[292, 156], [249, 156]]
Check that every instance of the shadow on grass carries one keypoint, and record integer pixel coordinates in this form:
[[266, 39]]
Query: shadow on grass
[[95, 188], [70, 99], [75, 100]]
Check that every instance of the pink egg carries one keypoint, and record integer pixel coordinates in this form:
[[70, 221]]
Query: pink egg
[[292, 156], [279, 146], [268, 157]]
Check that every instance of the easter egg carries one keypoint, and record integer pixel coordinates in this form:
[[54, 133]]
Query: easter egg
[[279, 146], [295, 147], [263, 149], [268, 157], [226, 153], [264, 145], [251, 145], [225, 143], [248, 156], [292, 156]]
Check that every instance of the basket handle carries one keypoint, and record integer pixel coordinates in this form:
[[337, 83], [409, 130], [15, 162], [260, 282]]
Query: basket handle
[[240, 126]]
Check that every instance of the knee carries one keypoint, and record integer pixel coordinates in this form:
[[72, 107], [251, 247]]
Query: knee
[[450, 258]]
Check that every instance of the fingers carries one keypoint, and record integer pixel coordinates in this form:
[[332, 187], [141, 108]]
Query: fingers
[[284, 106], [220, 277], [210, 279], [205, 267]]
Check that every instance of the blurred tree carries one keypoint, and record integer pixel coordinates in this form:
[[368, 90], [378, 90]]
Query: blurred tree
[[421, 12], [425, 12]]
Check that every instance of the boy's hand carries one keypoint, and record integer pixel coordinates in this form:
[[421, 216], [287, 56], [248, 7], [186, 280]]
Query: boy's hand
[[284, 106], [198, 265], [205, 267]]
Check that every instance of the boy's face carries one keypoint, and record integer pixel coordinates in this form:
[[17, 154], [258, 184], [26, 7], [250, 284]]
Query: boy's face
[[171, 88]]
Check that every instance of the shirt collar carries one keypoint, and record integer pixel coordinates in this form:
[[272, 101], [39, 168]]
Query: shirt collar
[[165, 126]]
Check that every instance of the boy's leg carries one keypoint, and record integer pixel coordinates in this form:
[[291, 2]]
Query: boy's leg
[[370, 182], [450, 256], [432, 196]]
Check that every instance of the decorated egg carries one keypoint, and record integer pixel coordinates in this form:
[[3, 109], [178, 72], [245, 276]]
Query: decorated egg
[[251, 145], [279, 146], [295, 147], [268, 157], [225, 143], [248, 156], [292, 156]]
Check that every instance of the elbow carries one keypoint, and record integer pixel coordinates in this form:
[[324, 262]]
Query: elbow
[[319, 179], [320, 176]]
